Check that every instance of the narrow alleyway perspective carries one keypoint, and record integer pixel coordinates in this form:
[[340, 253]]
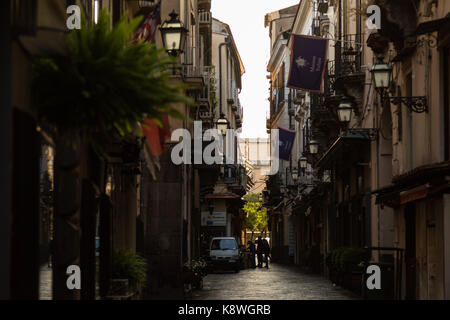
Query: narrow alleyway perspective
[[279, 282]]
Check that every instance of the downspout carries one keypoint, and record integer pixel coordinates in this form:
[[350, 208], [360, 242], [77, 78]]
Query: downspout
[[220, 74]]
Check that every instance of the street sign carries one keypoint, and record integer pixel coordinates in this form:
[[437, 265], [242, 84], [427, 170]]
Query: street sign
[[216, 219]]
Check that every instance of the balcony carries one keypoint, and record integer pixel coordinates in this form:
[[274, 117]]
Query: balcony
[[349, 57], [205, 96], [349, 75], [299, 97], [204, 4], [235, 177], [323, 6], [204, 17], [193, 76]]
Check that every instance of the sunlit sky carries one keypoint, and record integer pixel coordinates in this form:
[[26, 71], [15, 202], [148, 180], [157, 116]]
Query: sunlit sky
[[246, 20]]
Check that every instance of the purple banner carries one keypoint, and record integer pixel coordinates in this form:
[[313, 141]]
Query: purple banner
[[286, 141], [308, 62]]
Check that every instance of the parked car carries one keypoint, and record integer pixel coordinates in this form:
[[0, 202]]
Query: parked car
[[224, 254]]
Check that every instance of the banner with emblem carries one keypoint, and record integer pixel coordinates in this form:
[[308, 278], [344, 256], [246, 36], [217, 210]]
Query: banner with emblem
[[308, 63], [286, 142]]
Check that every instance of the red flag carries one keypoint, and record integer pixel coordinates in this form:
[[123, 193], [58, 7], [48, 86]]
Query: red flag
[[148, 29], [156, 135]]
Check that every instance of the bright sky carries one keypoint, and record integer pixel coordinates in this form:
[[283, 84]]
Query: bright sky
[[246, 20]]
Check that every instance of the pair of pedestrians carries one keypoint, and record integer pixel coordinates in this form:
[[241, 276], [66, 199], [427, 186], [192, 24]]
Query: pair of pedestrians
[[262, 250]]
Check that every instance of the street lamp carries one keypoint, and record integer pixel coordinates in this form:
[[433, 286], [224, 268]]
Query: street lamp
[[222, 124], [345, 111], [303, 162], [173, 35], [294, 174], [381, 75], [314, 147]]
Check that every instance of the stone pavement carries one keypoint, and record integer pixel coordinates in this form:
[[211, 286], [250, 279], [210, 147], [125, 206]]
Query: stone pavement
[[45, 283], [279, 282]]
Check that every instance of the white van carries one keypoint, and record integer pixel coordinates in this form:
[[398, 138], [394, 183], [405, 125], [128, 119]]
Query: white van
[[224, 253]]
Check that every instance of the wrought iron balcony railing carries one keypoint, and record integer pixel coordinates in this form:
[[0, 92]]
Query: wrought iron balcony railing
[[349, 54]]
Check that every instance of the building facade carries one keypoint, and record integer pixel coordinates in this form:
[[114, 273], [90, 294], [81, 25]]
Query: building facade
[[376, 182]]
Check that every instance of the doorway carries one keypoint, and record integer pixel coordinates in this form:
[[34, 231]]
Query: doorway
[[410, 251]]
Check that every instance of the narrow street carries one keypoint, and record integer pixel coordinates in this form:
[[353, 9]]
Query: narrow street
[[277, 283]]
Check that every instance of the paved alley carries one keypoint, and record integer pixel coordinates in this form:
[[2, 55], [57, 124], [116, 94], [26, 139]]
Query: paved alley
[[45, 283], [277, 283]]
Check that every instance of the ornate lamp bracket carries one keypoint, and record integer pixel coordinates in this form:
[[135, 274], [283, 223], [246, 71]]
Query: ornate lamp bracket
[[414, 104]]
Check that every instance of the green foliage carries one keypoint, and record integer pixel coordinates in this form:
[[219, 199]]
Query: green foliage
[[104, 85], [351, 259], [345, 258], [256, 215], [127, 265]]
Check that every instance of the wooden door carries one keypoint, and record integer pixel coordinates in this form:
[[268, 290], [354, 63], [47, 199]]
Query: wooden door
[[410, 251]]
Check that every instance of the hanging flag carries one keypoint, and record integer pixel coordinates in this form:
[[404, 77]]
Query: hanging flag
[[147, 31], [156, 135], [286, 142], [308, 63]]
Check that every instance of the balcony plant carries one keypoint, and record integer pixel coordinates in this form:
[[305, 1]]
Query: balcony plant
[[104, 85], [127, 265]]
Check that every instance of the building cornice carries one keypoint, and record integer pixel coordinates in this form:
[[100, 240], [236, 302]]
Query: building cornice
[[300, 19], [280, 45]]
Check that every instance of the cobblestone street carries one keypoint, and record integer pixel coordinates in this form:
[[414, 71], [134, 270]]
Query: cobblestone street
[[277, 283], [45, 283]]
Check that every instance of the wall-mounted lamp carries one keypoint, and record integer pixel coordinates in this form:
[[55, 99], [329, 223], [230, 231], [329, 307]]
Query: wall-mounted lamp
[[382, 75]]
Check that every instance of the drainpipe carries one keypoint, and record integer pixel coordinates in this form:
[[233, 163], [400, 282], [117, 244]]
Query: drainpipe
[[226, 43], [338, 49]]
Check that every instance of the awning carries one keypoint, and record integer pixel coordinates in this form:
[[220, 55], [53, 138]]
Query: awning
[[342, 147], [415, 185], [432, 26], [222, 196]]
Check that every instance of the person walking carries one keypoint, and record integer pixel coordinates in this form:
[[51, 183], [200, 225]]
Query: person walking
[[252, 248], [266, 251], [260, 251]]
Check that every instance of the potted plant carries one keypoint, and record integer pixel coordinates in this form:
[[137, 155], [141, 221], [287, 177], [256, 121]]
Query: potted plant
[[194, 271], [351, 263], [129, 272], [105, 85]]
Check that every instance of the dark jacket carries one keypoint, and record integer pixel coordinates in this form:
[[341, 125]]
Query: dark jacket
[[251, 247], [259, 246], [266, 246]]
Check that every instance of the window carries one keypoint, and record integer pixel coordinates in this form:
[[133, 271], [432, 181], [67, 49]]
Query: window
[[224, 244]]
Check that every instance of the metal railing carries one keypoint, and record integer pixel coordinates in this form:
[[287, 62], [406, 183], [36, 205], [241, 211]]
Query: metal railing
[[208, 74], [350, 54]]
